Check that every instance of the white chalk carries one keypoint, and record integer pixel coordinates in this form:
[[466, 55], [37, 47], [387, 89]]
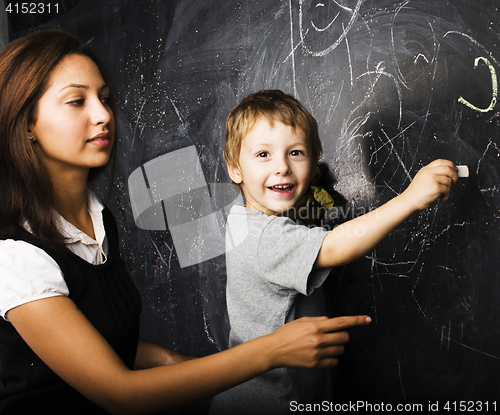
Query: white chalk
[[463, 171]]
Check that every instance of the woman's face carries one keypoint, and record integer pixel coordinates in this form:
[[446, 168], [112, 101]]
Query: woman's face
[[74, 128]]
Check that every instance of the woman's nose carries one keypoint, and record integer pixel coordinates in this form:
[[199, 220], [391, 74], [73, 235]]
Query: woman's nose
[[101, 113]]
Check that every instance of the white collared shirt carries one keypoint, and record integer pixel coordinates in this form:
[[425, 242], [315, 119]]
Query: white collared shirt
[[28, 273], [92, 251]]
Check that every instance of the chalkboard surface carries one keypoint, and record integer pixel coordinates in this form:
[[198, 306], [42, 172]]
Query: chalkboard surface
[[393, 85]]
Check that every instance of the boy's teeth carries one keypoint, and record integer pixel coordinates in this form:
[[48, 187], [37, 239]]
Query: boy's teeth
[[286, 186]]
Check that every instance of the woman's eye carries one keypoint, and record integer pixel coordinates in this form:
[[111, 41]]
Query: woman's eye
[[76, 102], [106, 100], [296, 153]]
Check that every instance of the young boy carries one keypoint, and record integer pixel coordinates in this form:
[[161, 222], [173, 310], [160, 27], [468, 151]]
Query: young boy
[[275, 267]]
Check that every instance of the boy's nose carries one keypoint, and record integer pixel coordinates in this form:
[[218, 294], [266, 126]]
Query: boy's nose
[[282, 168]]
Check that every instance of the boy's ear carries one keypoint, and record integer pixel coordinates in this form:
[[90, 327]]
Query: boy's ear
[[315, 171], [235, 174]]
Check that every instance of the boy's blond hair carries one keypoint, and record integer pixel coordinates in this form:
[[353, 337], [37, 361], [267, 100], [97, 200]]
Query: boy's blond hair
[[272, 105]]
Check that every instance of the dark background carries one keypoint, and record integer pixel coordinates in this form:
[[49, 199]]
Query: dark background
[[383, 81]]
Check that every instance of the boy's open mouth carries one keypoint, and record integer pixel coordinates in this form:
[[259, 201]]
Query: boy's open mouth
[[283, 188]]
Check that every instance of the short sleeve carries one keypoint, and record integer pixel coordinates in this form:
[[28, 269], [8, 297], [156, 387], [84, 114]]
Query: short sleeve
[[287, 253], [28, 274]]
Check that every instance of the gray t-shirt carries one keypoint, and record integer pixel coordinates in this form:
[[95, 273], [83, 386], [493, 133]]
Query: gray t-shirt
[[270, 282]]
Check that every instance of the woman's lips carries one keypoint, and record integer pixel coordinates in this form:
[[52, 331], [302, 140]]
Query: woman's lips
[[100, 140]]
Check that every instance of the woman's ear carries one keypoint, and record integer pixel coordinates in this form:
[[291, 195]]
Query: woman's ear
[[235, 173], [31, 136]]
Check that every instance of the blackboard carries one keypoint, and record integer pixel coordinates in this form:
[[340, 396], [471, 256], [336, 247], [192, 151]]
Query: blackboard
[[393, 85]]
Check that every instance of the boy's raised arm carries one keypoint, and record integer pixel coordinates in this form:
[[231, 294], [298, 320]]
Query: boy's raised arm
[[357, 237]]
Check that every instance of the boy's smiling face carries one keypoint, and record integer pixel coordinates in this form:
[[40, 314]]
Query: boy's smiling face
[[275, 167]]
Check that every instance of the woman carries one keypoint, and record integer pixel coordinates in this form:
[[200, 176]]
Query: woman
[[69, 337]]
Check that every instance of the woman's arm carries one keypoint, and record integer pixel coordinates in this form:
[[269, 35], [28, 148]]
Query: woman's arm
[[64, 339], [152, 355]]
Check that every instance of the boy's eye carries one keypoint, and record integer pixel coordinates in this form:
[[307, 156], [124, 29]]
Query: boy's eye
[[296, 152], [262, 154]]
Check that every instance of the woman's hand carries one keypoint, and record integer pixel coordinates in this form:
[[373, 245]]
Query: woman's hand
[[313, 342], [64, 339]]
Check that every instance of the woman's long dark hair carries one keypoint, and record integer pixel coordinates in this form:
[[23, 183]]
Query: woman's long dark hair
[[26, 190]]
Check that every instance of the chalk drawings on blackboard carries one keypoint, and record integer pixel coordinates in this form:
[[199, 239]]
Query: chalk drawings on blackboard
[[494, 87], [329, 22]]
